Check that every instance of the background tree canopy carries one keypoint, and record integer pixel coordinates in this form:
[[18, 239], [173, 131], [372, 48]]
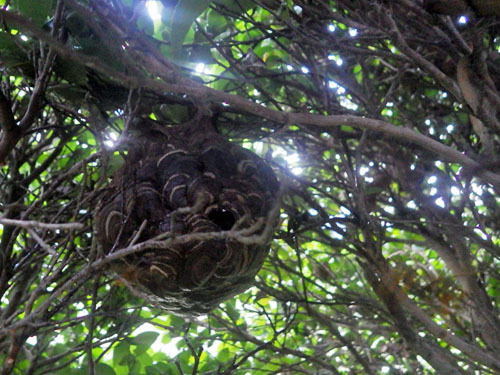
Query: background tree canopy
[[380, 119]]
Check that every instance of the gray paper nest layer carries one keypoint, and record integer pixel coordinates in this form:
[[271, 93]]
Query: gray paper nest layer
[[186, 180]]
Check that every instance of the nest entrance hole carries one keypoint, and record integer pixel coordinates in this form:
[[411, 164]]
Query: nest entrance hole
[[224, 219]]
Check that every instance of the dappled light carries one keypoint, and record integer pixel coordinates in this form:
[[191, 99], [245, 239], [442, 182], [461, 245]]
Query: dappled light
[[249, 187]]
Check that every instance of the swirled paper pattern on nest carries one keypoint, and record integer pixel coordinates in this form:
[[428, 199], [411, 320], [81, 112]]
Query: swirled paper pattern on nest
[[183, 181]]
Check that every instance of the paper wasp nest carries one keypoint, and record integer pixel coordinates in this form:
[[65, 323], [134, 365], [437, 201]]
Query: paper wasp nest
[[181, 181]]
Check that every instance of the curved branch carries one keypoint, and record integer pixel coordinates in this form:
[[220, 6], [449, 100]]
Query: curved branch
[[175, 83]]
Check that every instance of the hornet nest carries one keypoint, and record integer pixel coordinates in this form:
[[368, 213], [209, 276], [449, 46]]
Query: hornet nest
[[193, 188]]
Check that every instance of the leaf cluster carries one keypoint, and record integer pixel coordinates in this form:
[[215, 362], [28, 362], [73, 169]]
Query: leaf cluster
[[380, 119]]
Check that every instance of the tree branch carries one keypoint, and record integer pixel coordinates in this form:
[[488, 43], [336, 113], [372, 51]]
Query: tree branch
[[11, 133], [182, 85], [36, 224]]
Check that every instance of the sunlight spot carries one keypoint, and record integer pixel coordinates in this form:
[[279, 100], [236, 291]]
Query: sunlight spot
[[363, 170], [200, 68], [331, 28], [335, 85], [32, 340], [440, 202], [431, 180], [258, 146], [293, 161], [336, 235], [59, 339], [411, 204], [289, 67], [213, 348], [304, 70], [346, 103], [345, 211], [338, 60], [477, 189], [450, 128], [82, 312], [297, 9], [312, 211], [462, 20], [480, 233], [423, 362], [389, 210], [353, 32], [433, 191], [24, 38], [154, 9], [454, 190], [112, 137]]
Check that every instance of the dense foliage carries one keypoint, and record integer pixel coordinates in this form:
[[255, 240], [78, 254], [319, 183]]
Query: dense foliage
[[379, 118]]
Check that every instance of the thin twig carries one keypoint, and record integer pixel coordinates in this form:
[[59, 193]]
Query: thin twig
[[38, 224]]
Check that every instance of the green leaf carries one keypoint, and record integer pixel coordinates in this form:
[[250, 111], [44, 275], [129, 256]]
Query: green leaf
[[238, 6], [187, 11], [224, 355], [216, 23], [120, 352], [144, 338], [146, 24], [104, 369], [161, 368], [38, 11], [175, 112], [13, 56], [184, 15], [176, 321], [143, 341], [231, 311]]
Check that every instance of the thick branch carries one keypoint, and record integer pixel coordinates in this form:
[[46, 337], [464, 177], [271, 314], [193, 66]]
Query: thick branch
[[183, 85], [11, 133]]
